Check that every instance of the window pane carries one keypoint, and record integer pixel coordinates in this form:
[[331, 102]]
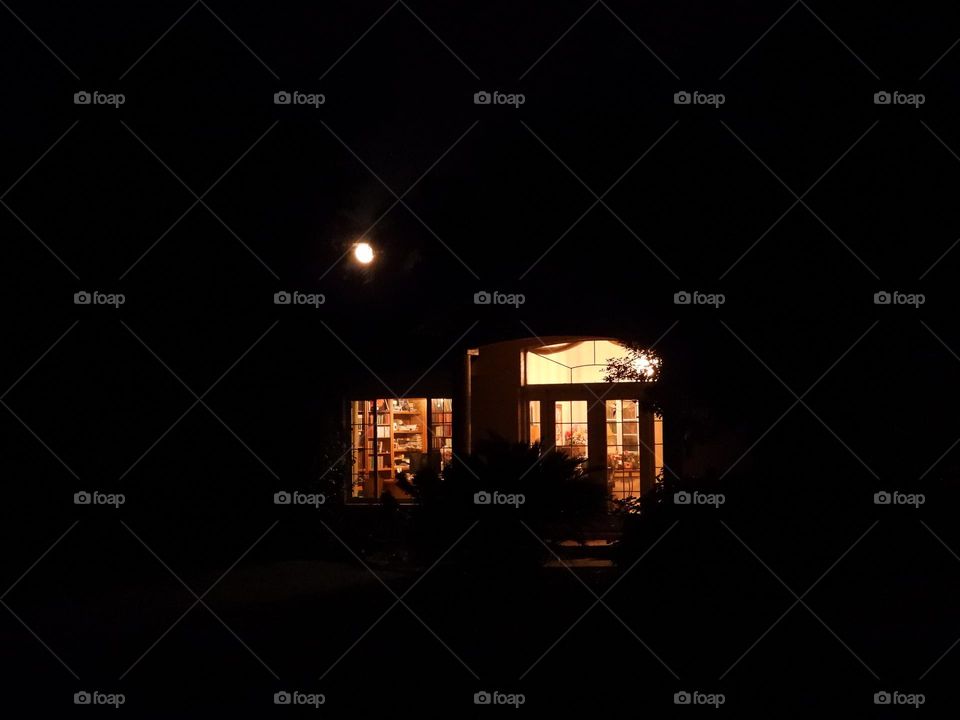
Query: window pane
[[623, 448], [658, 465], [441, 431], [389, 436], [577, 362], [571, 427], [533, 432]]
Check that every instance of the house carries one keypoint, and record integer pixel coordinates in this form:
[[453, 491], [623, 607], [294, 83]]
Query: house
[[551, 390]]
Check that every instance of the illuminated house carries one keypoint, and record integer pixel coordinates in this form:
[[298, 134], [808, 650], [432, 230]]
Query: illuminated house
[[548, 390]]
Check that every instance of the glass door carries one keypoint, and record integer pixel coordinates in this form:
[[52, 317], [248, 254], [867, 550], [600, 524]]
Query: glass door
[[623, 448]]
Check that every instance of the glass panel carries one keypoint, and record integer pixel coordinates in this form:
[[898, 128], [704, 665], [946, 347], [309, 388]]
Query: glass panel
[[389, 436], [623, 448], [370, 439], [544, 370], [571, 427], [658, 447], [533, 432], [408, 425], [441, 430], [568, 363], [360, 475]]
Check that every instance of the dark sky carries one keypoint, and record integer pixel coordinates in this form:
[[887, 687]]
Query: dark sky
[[497, 195], [599, 199]]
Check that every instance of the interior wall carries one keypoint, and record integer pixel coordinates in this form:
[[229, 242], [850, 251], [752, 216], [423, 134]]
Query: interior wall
[[495, 400]]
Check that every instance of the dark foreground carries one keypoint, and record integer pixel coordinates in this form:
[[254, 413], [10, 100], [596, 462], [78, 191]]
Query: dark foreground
[[688, 607]]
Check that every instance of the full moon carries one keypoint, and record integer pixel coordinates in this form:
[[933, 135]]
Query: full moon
[[363, 253]]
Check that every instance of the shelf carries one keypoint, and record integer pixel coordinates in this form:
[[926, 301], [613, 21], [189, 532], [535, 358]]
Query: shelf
[[391, 447]]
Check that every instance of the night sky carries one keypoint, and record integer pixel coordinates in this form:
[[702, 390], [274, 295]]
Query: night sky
[[598, 199], [502, 198]]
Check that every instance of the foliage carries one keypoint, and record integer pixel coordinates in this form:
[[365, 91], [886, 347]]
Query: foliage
[[554, 489], [640, 365], [331, 465]]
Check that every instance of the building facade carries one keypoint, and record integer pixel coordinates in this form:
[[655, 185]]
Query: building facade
[[554, 391]]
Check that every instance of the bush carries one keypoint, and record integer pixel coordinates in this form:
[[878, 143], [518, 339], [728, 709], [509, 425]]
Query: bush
[[550, 493]]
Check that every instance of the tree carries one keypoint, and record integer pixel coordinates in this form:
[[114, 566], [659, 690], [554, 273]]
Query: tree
[[639, 365]]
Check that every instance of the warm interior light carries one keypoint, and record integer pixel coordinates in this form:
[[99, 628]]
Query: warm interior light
[[589, 361], [646, 364], [363, 252]]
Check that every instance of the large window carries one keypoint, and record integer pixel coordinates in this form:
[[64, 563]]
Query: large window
[[390, 436], [623, 447], [577, 362], [571, 427], [628, 452], [370, 439]]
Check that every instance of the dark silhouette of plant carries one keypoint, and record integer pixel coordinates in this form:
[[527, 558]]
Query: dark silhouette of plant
[[516, 493], [640, 365]]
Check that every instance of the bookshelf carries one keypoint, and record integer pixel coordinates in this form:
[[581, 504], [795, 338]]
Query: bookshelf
[[389, 437], [441, 429], [409, 426]]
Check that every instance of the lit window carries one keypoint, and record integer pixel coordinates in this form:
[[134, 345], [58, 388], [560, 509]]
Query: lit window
[[389, 436], [441, 430], [623, 448], [371, 439], [658, 447], [588, 361], [571, 427], [534, 429]]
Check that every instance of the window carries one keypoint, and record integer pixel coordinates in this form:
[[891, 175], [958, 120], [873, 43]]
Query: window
[[571, 427], [370, 440], [623, 447], [658, 447], [441, 430], [533, 432], [389, 436], [576, 362]]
